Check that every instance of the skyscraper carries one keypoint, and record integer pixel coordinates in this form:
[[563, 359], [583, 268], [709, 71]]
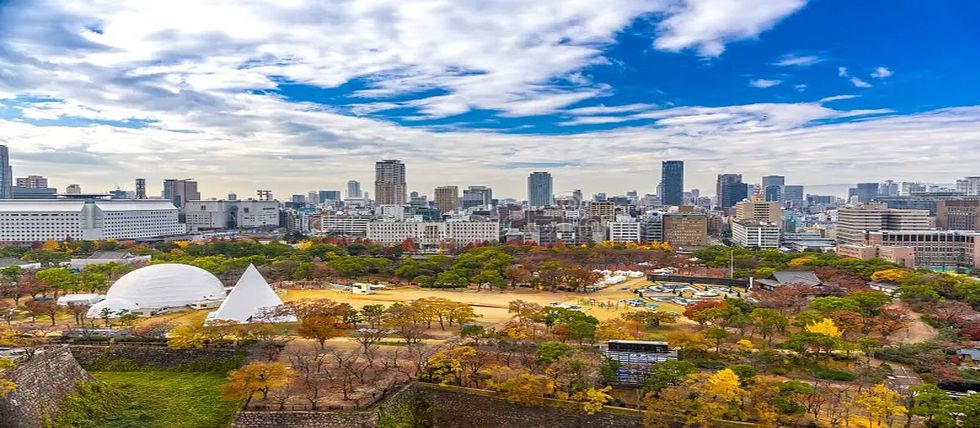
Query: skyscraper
[[6, 174], [730, 190], [540, 192], [772, 187], [179, 192], [447, 198], [353, 189], [140, 188], [477, 196], [672, 180], [866, 192], [389, 182]]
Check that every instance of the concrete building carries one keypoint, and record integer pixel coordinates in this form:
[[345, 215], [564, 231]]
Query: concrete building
[[751, 233], [651, 228], [389, 183], [729, 190], [602, 210], [970, 186], [672, 180], [344, 225], [140, 188], [540, 189], [32, 182], [685, 229], [179, 192], [768, 212], [432, 234], [353, 189], [477, 197], [624, 231], [6, 174], [231, 214], [446, 198], [793, 195], [866, 192], [958, 214], [89, 220], [854, 221], [325, 196], [930, 249], [73, 189], [772, 187]]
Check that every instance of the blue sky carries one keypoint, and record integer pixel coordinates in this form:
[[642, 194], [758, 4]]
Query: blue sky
[[307, 95]]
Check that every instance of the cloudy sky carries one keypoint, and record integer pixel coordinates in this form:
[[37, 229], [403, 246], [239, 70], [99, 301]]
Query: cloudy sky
[[295, 95]]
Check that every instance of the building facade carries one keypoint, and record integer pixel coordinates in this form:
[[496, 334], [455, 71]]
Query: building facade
[[477, 197], [970, 186], [540, 192], [178, 192], [672, 182], [32, 182], [432, 234], [685, 229], [6, 174], [625, 231], [854, 221], [958, 214], [231, 214], [344, 225], [446, 198], [755, 234], [390, 187], [353, 189], [729, 190], [769, 212], [89, 220]]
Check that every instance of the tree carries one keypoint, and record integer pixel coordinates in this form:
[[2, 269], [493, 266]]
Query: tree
[[934, 405], [256, 377], [373, 314], [666, 374], [894, 276], [517, 274], [58, 278], [548, 352], [573, 373], [616, 329], [518, 386], [320, 320], [447, 366], [5, 385], [38, 308], [825, 327], [702, 312], [525, 312], [881, 404], [718, 335], [651, 319], [406, 320], [768, 322]]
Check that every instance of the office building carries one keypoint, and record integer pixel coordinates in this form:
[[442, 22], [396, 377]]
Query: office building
[[772, 187], [34, 192], [231, 214], [32, 182], [866, 192], [943, 250], [354, 189], [140, 188], [446, 198], [179, 192], [325, 196], [730, 190], [970, 186], [624, 231], [793, 195], [89, 220], [478, 197], [685, 229], [672, 180], [755, 234], [907, 188], [651, 228], [854, 222], [958, 214], [431, 234], [889, 188], [767, 212], [602, 210], [6, 174], [540, 192], [389, 183], [344, 225]]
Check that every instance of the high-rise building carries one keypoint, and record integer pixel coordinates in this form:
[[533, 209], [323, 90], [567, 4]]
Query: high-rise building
[[755, 234], [854, 222], [730, 190], [6, 174], [768, 212], [354, 189], [73, 189], [685, 229], [540, 192], [389, 183], [446, 198], [958, 214], [477, 196], [970, 186], [889, 188], [179, 192], [772, 187], [793, 195], [866, 192], [140, 188], [325, 196], [672, 179], [32, 182]]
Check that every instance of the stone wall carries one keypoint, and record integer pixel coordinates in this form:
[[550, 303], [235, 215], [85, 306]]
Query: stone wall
[[42, 382], [364, 419], [141, 357]]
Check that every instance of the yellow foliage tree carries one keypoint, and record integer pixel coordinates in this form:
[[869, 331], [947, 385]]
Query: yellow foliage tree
[[800, 262], [518, 386], [5, 385], [889, 275], [826, 327], [50, 245], [256, 377], [445, 366], [616, 329], [304, 245], [594, 399], [881, 404]]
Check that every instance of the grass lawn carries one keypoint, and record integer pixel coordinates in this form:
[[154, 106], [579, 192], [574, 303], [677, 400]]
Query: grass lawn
[[166, 399]]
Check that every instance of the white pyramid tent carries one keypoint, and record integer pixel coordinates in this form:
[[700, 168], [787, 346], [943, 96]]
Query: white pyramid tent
[[251, 296]]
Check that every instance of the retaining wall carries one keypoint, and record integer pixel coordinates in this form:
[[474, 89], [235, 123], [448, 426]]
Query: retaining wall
[[42, 383]]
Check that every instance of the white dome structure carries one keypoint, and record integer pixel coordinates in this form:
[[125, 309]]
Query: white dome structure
[[117, 307], [167, 285]]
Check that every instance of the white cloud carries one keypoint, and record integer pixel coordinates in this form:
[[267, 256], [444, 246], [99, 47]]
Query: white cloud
[[764, 83], [604, 109], [794, 60], [881, 73], [837, 98], [707, 25], [857, 82], [800, 87], [842, 71]]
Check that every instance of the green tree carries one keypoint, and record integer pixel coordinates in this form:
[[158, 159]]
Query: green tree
[[666, 374], [934, 405]]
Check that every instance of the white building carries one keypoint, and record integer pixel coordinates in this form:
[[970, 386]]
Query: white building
[[90, 220], [428, 234], [969, 186], [231, 214], [755, 234], [344, 225], [624, 231]]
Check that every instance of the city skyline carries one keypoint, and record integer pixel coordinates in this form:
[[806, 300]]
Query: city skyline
[[94, 93]]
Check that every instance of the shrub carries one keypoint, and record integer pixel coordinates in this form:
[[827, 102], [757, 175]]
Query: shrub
[[831, 374]]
